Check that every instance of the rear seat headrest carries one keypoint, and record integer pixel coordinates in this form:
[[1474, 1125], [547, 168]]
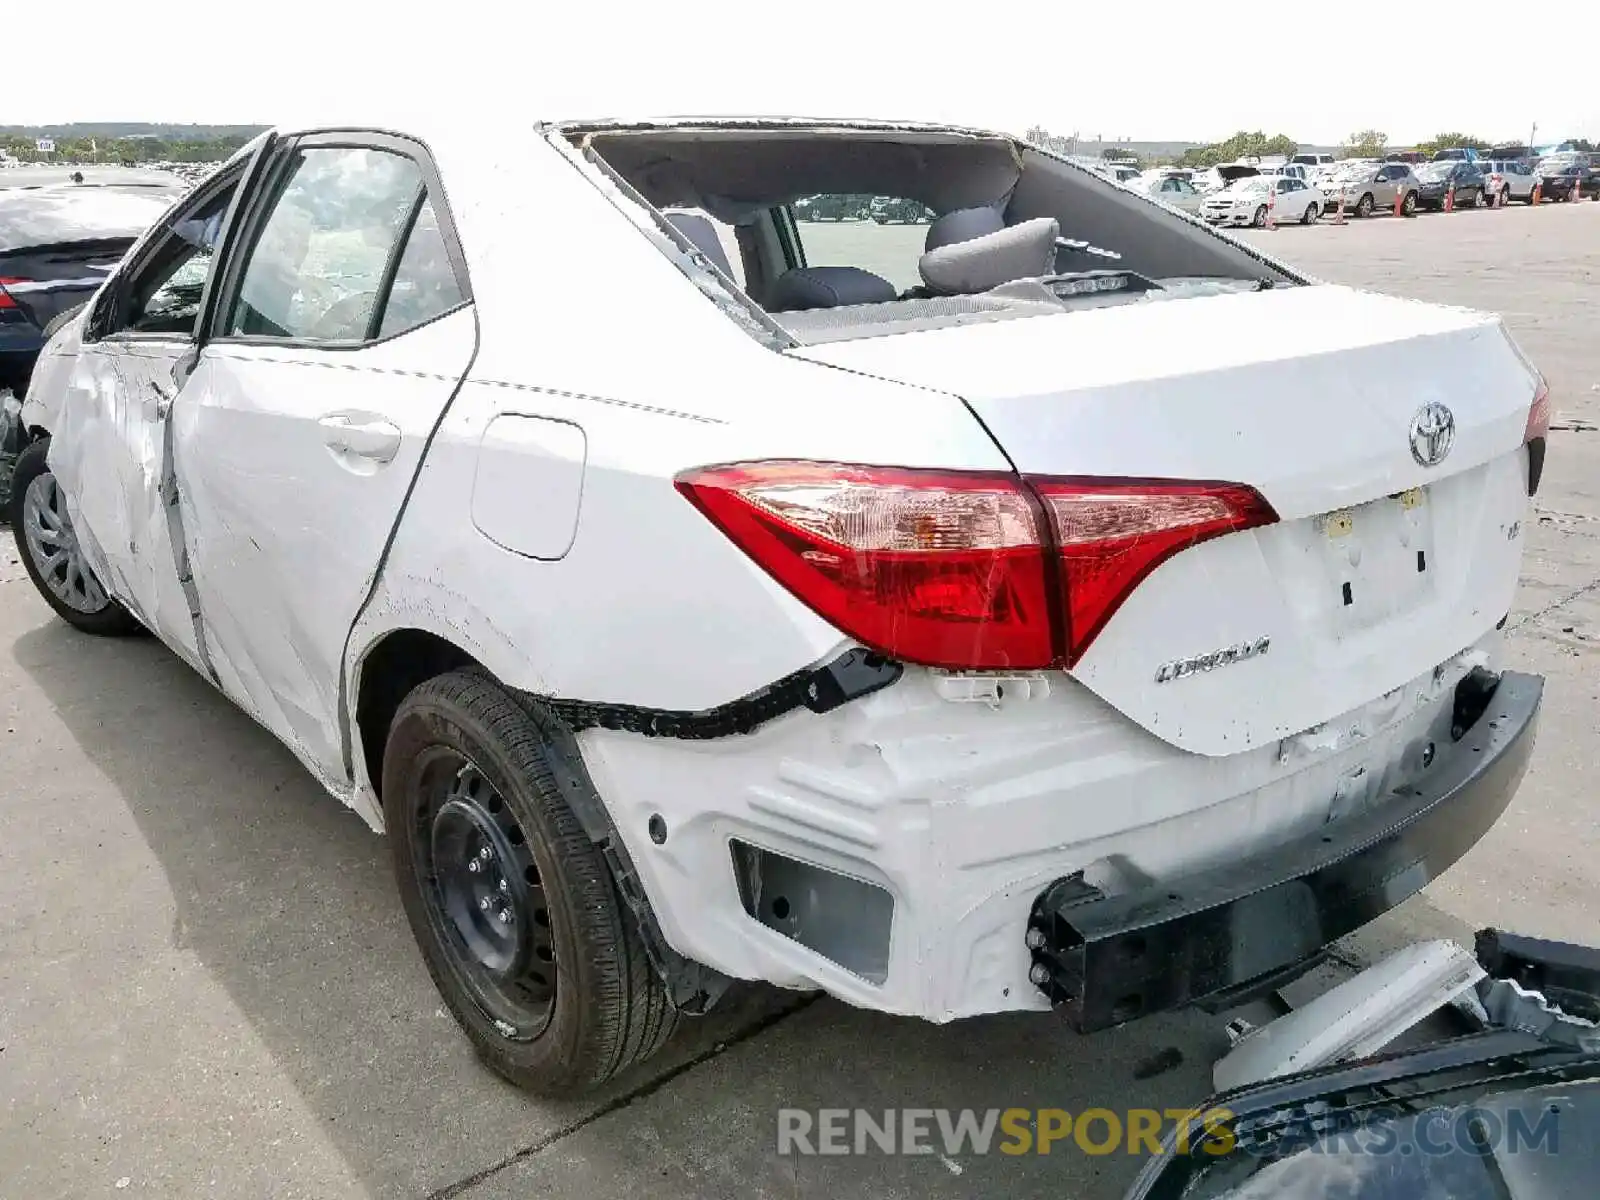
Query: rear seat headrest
[[962, 225], [1024, 251], [828, 287]]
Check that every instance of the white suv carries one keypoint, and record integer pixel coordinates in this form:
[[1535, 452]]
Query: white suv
[[1020, 639]]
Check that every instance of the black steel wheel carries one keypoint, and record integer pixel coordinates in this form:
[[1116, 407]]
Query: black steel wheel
[[513, 906]]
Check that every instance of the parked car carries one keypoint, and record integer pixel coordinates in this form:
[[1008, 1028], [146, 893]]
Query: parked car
[[889, 210], [1314, 162], [58, 241], [1246, 202], [1374, 187], [1173, 190], [832, 206], [1436, 180], [1509, 179], [1456, 154], [799, 635], [1568, 181]]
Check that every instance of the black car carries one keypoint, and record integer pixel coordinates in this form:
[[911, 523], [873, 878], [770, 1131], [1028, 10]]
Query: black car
[[58, 241], [1437, 179], [1569, 181]]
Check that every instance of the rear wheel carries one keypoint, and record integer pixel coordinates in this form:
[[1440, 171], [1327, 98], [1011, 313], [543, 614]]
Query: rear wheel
[[49, 550], [513, 905], [1408, 206], [1472, 200]]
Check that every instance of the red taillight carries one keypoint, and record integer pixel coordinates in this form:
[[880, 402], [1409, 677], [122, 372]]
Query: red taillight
[[1538, 415], [953, 569], [939, 568], [1110, 534], [5, 298]]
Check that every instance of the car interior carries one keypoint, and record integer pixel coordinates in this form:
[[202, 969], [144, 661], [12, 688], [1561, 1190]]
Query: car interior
[[1018, 231]]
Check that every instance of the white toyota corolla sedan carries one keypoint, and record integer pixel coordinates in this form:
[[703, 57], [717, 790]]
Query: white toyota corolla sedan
[[1057, 605]]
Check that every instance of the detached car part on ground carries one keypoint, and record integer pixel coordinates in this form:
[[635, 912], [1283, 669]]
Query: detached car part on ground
[[1350, 1097], [1074, 647]]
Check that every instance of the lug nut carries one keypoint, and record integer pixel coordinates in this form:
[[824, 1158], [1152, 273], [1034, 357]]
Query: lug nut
[[486, 853], [505, 916], [1034, 939], [474, 865], [504, 886], [1039, 975], [484, 904]]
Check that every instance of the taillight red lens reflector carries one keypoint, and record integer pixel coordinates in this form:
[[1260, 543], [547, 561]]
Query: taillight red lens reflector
[[1110, 534], [954, 569], [930, 567]]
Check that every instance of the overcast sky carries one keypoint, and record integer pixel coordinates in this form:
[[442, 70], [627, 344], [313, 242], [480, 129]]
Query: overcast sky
[[1125, 68]]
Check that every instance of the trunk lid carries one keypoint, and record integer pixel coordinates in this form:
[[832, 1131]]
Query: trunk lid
[[1379, 568]]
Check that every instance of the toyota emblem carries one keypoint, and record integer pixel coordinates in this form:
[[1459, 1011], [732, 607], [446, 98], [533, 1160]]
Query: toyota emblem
[[1433, 432]]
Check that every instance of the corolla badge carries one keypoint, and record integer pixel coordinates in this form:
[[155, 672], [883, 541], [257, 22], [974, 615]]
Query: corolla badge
[[1433, 432]]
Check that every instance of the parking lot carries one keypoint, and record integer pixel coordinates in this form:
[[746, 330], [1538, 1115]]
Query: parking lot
[[207, 986]]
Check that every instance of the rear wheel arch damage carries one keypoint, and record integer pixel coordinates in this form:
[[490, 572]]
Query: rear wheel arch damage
[[402, 661]]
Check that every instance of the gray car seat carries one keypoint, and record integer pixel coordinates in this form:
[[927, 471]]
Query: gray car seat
[[827, 287], [962, 225]]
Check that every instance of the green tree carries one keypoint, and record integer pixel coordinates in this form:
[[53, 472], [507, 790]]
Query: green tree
[[1243, 144], [1446, 141], [1369, 143]]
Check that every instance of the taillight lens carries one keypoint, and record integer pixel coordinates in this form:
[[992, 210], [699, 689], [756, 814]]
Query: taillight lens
[[954, 569], [1110, 534], [1538, 415], [6, 300], [939, 568], [1535, 435]]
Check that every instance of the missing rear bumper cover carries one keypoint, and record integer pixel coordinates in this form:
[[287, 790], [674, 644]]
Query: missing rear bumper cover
[[1106, 960]]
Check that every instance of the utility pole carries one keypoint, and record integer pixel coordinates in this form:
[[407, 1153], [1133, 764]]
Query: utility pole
[[1532, 133]]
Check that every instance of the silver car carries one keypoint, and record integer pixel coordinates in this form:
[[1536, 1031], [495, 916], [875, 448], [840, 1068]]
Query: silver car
[[1374, 187], [1515, 179]]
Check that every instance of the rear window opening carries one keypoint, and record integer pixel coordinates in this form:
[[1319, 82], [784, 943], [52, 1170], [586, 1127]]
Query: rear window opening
[[840, 232]]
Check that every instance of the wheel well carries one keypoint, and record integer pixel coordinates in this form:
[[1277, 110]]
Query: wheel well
[[389, 672]]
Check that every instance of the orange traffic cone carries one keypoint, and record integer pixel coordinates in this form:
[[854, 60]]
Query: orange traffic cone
[[1450, 198], [1538, 192], [1338, 217], [1272, 197], [1400, 203]]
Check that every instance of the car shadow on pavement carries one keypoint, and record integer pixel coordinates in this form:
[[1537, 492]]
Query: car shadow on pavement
[[286, 897]]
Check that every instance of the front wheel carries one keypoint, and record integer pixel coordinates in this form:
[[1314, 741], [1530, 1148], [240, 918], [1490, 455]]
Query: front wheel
[[1364, 206], [512, 904], [1505, 196], [48, 547], [1259, 221], [1472, 200]]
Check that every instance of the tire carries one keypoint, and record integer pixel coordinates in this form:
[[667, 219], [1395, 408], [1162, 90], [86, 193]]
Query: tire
[[1365, 205], [84, 605], [1473, 201], [1309, 217], [1505, 196], [1259, 221], [1408, 206], [572, 933]]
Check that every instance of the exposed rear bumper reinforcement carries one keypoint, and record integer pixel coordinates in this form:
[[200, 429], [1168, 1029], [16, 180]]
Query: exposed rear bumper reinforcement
[[1104, 960]]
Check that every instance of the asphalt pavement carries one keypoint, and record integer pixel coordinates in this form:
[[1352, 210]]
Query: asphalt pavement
[[207, 987]]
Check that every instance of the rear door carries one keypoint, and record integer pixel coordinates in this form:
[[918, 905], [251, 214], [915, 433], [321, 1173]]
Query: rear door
[[342, 330]]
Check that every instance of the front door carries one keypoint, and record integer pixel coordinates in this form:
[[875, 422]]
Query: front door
[[342, 330], [111, 448]]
